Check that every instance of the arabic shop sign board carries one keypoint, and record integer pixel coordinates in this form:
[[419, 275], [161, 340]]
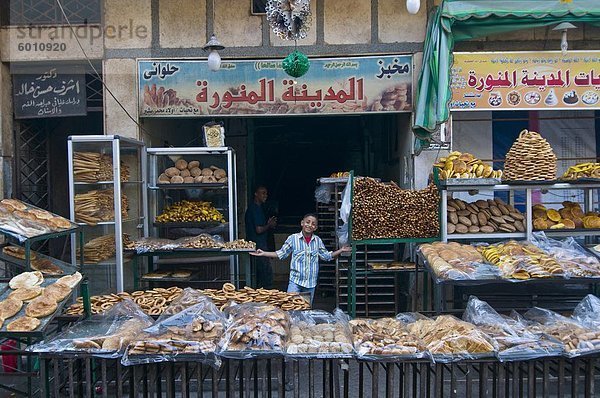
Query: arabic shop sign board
[[49, 93], [526, 80], [261, 87]]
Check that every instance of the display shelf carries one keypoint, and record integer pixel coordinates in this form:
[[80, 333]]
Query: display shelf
[[124, 152], [191, 224], [565, 233], [223, 197], [79, 183], [214, 186], [484, 236]]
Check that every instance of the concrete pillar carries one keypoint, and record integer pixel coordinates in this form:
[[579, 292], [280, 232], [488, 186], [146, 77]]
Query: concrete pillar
[[120, 76]]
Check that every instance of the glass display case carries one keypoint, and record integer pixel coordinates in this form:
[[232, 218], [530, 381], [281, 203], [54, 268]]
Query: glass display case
[[192, 191], [107, 196]]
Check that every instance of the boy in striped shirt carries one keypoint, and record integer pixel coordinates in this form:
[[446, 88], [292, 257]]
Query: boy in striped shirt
[[306, 248]]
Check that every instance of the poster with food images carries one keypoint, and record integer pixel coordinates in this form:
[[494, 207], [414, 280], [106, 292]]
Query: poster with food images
[[186, 87], [526, 80]]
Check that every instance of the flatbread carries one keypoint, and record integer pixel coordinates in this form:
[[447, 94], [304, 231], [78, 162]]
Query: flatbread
[[14, 204], [56, 292], [41, 214], [46, 267], [10, 307], [17, 252], [41, 307], [59, 223], [181, 274], [70, 280], [157, 275], [26, 293], [26, 279], [23, 324]]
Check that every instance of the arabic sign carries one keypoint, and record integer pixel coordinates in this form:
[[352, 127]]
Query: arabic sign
[[332, 85], [526, 80], [49, 94]]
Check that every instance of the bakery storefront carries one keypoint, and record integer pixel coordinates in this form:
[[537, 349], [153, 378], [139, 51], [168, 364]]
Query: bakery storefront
[[344, 114]]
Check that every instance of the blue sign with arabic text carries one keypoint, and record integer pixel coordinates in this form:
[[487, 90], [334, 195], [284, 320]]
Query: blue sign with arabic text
[[261, 87], [49, 94]]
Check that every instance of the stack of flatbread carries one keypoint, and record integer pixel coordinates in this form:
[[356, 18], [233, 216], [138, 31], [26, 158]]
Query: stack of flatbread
[[18, 252], [46, 267], [42, 301]]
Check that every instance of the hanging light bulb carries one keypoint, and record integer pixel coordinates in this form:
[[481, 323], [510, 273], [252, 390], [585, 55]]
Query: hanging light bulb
[[214, 59], [563, 27], [413, 6]]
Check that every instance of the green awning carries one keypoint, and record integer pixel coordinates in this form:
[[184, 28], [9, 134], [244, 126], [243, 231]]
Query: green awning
[[458, 20]]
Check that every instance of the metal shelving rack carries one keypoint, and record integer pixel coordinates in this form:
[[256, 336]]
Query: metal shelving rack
[[329, 221], [132, 153], [556, 293], [159, 196], [353, 270], [528, 188]]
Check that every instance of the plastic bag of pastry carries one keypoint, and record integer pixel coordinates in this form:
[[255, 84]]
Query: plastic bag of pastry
[[255, 329], [519, 261], [514, 341], [449, 339], [455, 261], [213, 134], [200, 242], [23, 220], [576, 261], [190, 334], [385, 339], [577, 339], [588, 312], [147, 245], [188, 298], [319, 334], [103, 335]]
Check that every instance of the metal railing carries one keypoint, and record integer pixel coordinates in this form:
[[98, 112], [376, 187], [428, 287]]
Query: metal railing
[[278, 377]]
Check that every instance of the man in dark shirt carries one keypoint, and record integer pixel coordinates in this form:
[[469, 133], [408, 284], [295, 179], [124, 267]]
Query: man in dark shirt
[[257, 228]]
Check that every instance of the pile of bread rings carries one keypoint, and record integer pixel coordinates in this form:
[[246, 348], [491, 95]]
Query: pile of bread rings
[[155, 301], [283, 300]]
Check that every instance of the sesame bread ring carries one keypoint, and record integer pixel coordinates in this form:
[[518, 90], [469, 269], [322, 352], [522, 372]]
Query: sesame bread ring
[[155, 311], [229, 287]]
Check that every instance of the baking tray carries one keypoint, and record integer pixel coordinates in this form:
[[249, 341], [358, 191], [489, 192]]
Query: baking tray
[[371, 268], [238, 250], [67, 268], [170, 278], [39, 332]]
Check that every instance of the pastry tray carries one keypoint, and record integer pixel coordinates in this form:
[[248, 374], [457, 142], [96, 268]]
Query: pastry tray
[[394, 269], [170, 278], [39, 332]]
